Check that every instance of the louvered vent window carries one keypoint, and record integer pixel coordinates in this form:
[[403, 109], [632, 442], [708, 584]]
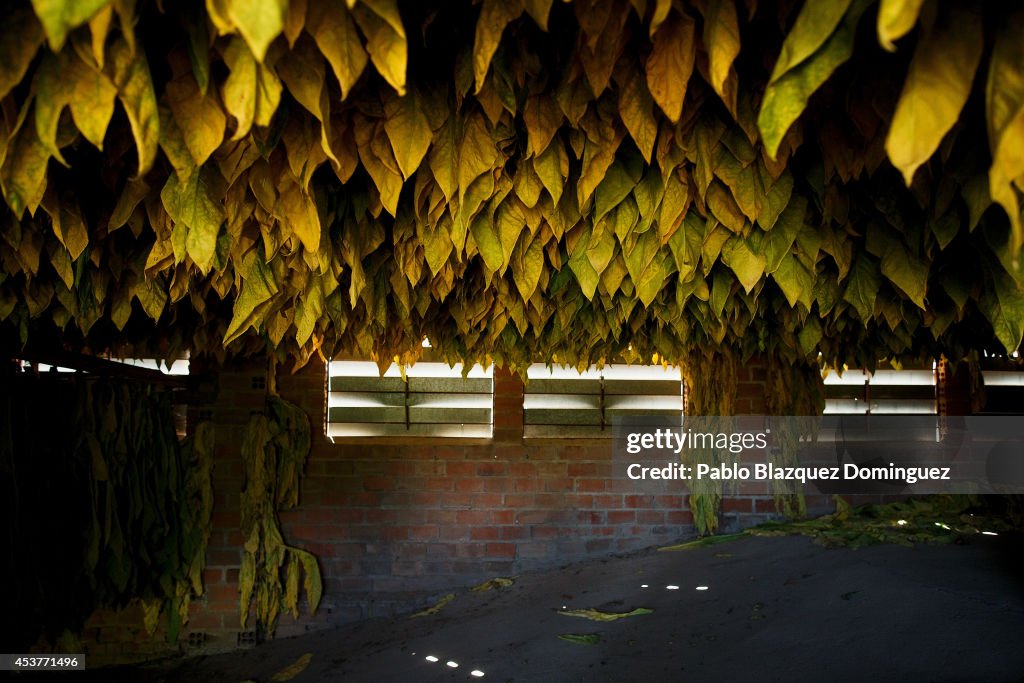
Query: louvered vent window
[[1004, 392], [432, 400], [885, 392], [563, 402]]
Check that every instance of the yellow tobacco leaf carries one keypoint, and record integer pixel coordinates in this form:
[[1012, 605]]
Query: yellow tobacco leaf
[[68, 225], [494, 16], [895, 19], [552, 168], [670, 63], [636, 107], [99, 25], [527, 266], [200, 117], [539, 11], [477, 153], [747, 265], [130, 73], [252, 91], [192, 204], [1005, 113], [499, 582], [335, 34], [936, 88], [294, 669], [385, 36], [379, 161], [294, 20], [409, 131], [297, 211], [597, 615], [23, 175], [259, 22], [59, 17], [542, 117], [91, 99], [430, 611], [722, 41]]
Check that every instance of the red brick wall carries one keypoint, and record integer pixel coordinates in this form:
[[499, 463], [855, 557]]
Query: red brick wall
[[396, 521]]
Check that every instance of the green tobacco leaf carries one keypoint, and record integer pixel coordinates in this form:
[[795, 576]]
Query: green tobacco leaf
[[59, 17], [747, 265], [805, 66], [814, 25], [193, 204], [862, 284], [259, 22], [670, 63], [809, 336], [258, 286], [1006, 312], [936, 88], [795, 281], [581, 638], [906, 271]]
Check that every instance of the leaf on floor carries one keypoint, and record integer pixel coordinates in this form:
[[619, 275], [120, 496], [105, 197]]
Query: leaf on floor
[[436, 608], [703, 542], [597, 615], [499, 582], [581, 638], [293, 670]]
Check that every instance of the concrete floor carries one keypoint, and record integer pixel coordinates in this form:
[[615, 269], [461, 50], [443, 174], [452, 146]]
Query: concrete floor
[[776, 609]]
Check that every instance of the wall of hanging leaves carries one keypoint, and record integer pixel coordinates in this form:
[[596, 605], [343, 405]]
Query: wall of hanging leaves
[[103, 505]]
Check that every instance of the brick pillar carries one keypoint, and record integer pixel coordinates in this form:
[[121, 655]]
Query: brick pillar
[[751, 377], [953, 388], [508, 406]]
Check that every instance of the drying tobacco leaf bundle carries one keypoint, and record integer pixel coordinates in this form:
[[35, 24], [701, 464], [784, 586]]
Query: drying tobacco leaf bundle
[[96, 480], [516, 180], [274, 450]]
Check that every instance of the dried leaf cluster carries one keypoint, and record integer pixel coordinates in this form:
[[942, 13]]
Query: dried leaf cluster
[[515, 179]]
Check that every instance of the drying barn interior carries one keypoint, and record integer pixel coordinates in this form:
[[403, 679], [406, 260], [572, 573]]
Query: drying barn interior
[[323, 327]]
